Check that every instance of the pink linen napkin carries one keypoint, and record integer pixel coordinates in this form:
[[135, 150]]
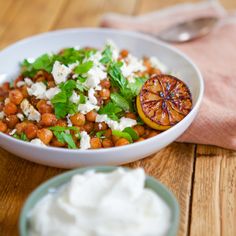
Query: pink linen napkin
[[214, 54]]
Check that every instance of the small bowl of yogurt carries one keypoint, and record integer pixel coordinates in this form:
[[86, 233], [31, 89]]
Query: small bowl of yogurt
[[100, 201]]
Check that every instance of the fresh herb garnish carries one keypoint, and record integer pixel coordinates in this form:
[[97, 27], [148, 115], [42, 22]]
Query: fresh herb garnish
[[100, 134], [122, 134], [64, 137], [21, 137], [61, 128], [120, 101], [116, 77], [83, 68], [111, 109], [132, 133], [61, 101], [107, 55]]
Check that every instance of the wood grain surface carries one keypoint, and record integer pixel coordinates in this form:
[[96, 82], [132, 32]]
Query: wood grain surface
[[203, 178]]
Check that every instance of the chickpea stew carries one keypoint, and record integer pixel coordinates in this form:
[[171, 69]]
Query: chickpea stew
[[78, 98]]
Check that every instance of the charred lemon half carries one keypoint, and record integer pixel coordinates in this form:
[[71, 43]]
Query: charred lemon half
[[163, 101]]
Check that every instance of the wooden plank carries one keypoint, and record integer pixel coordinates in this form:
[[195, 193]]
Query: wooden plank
[[173, 166], [17, 176], [214, 193], [87, 13], [27, 18]]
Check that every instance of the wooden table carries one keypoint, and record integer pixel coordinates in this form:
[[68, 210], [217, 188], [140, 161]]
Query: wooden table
[[203, 178]]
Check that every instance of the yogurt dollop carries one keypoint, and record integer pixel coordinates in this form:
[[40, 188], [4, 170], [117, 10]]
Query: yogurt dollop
[[101, 204]]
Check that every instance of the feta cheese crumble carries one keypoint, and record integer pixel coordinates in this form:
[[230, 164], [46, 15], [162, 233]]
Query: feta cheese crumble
[[2, 115], [12, 132], [157, 64], [50, 93], [75, 98], [131, 65], [29, 111], [60, 72], [37, 142], [20, 116], [38, 90], [114, 125], [84, 141], [96, 73]]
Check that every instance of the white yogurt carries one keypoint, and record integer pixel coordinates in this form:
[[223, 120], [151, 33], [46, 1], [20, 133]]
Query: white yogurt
[[101, 204]]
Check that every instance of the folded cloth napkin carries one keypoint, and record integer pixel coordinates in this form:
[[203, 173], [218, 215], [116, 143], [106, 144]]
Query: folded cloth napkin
[[214, 54]]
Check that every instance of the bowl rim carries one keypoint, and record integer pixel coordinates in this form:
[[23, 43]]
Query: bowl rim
[[65, 178], [125, 33]]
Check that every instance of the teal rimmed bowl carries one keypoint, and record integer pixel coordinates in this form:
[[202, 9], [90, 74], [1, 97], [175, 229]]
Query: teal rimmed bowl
[[59, 180]]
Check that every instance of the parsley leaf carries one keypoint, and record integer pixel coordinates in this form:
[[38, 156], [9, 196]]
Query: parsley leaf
[[60, 97], [83, 68], [116, 77], [100, 134], [21, 137], [107, 55], [69, 140], [61, 101], [64, 137], [61, 128], [120, 101], [111, 109], [121, 134], [44, 62], [132, 133]]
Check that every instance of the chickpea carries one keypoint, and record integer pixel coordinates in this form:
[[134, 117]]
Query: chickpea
[[16, 96], [45, 135], [31, 131], [88, 127], [108, 133], [6, 86], [146, 133], [106, 143], [104, 94], [43, 107], [91, 116], [139, 129], [20, 127], [105, 83], [124, 53], [1, 106], [121, 142], [78, 119], [3, 94], [10, 109], [3, 127], [114, 138], [95, 143], [140, 139], [130, 115], [24, 91], [100, 126], [34, 101], [56, 143], [152, 134], [48, 119], [51, 84], [153, 71], [147, 63], [11, 121], [62, 123]]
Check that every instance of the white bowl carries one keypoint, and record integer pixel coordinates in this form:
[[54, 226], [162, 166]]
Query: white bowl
[[136, 43]]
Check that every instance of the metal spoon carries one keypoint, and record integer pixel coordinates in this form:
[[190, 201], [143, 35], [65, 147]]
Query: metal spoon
[[189, 30]]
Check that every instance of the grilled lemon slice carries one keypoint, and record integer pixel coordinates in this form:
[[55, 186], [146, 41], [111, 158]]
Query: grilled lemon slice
[[163, 101]]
